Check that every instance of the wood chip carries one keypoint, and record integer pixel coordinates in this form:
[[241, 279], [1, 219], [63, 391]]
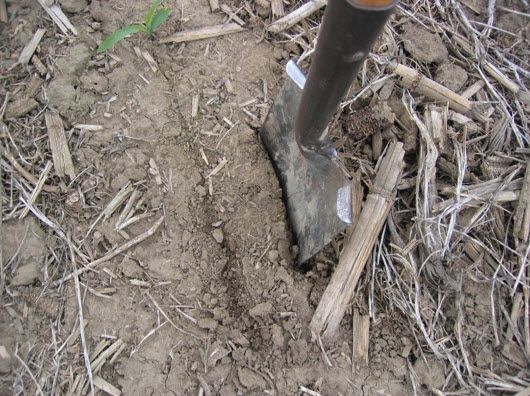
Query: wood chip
[[203, 33], [62, 159], [361, 336], [152, 63], [194, 106], [30, 47], [416, 81], [296, 16], [3, 11], [358, 248]]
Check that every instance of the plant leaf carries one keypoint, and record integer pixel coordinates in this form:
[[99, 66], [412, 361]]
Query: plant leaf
[[158, 19], [120, 34], [151, 11]]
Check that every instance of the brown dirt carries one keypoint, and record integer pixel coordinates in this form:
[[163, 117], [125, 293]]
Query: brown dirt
[[211, 303]]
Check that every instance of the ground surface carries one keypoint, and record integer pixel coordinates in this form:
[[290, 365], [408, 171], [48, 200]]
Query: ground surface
[[211, 302]]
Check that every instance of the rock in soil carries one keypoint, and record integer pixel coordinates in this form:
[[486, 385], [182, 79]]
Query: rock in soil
[[423, 45]]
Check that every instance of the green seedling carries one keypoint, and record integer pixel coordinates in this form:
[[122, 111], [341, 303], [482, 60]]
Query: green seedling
[[155, 17]]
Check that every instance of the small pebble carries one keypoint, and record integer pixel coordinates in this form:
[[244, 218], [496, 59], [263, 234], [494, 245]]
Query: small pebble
[[218, 235]]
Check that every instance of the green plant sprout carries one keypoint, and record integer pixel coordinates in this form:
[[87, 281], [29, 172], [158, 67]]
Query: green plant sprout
[[154, 18]]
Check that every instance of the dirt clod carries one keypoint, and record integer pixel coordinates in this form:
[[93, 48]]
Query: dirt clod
[[451, 76], [250, 380], [423, 45]]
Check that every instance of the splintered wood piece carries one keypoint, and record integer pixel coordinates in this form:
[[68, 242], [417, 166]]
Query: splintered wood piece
[[203, 33], [62, 159], [522, 213], [296, 16], [30, 47], [361, 336], [413, 79], [358, 248], [57, 14], [214, 5]]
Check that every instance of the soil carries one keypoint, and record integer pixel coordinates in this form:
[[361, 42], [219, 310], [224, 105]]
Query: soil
[[211, 303], [222, 267]]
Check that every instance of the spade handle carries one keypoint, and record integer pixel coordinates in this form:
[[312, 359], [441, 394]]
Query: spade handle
[[348, 32]]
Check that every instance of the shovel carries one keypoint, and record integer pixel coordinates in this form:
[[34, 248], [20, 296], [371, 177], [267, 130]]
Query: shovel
[[316, 190]]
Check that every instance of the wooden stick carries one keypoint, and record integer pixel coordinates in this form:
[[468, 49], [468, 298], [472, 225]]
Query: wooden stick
[[62, 159], [418, 82], [296, 16], [3, 11], [501, 78], [30, 47], [203, 33], [337, 295]]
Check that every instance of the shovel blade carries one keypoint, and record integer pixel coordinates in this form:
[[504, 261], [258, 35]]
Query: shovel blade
[[316, 191]]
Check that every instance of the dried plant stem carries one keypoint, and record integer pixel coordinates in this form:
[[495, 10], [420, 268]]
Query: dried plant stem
[[357, 249], [81, 320], [416, 81]]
